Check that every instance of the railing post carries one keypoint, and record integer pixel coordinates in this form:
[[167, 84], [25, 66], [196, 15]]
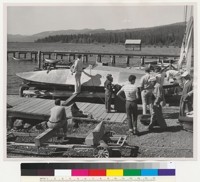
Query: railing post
[[74, 56], [86, 58], [142, 61], [127, 60], [99, 58], [113, 59], [39, 59]]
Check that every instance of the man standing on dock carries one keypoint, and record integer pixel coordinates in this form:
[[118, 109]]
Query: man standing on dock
[[58, 118], [186, 102], [131, 94], [146, 91], [156, 114], [78, 69], [108, 92]]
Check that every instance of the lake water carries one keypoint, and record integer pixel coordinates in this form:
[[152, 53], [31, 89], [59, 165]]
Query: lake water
[[13, 67]]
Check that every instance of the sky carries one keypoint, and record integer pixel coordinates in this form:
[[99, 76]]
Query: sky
[[28, 20]]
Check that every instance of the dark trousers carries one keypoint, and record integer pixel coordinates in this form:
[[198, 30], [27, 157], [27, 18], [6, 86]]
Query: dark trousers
[[132, 113], [185, 106], [108, 98], [157, 117]]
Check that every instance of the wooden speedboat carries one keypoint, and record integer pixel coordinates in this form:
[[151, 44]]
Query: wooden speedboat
[[92, 79]]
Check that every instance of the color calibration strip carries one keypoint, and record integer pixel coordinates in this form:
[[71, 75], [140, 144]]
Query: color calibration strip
[[98, 172]]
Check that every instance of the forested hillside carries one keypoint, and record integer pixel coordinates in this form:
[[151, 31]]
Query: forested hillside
[[162, 35]]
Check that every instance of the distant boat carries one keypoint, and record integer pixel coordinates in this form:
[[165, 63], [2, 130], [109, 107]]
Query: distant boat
[[51, 61], [22, 59]]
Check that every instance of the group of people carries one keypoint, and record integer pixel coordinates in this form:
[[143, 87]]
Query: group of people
[[152, 96]]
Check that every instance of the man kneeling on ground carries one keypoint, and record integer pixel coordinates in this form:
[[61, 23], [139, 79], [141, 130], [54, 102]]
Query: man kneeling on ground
[[157, 115], [58, 118]]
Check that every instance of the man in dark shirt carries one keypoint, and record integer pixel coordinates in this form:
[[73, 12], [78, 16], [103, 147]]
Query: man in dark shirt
[[186, 102], [108, 92]]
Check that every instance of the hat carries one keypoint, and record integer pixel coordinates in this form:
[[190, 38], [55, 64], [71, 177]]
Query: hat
[[152, 79], [186, 73]]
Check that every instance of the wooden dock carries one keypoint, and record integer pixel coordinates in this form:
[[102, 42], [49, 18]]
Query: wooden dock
[[39, 109]]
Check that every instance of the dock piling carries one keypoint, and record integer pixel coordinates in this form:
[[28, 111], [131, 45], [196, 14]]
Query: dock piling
[[127, 60], [39, 59]]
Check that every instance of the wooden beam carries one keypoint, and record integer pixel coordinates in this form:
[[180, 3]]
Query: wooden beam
[[96, 135], [69, 100], [43, 137]]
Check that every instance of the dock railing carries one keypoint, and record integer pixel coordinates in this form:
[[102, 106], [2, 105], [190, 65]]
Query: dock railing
[[39, 56]]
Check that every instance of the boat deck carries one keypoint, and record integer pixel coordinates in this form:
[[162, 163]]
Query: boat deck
[[39, 109]]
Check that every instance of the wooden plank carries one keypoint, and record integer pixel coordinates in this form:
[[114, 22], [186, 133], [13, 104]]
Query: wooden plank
[[93, 108], [46, 109], [120, 117], [115, 116], [70, 99], [43, 137], [79, 104], [84, 106], [103, 116], [89, 107], [97, 109], [101, 111], [124, 117], [23, 115], [14, 101], [109, 116], [28, 106], [22, 106], [42, 107]]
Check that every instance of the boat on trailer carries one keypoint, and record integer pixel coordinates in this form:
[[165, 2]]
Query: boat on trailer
[[60, 82]]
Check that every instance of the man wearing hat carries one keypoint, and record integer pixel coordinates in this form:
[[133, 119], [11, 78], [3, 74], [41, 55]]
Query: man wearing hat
[[186, 102], [108, 92], [157, 115], [146, 90]]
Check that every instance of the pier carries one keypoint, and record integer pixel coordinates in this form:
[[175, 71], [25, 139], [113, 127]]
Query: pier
[[71, 55], [39, 109]]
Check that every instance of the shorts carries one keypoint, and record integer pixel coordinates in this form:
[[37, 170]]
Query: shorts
[[146, 96]]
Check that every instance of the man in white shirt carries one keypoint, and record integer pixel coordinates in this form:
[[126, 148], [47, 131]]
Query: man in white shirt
[[58, 117], [146, 91], [78, 69], [131, 94]]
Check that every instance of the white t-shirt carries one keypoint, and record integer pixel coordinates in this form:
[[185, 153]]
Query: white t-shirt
[[130, 91]]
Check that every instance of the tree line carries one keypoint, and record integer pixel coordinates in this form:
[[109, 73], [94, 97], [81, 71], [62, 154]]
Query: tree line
[[162, 35]]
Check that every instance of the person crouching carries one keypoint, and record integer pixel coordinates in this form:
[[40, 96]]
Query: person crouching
[[157, 115], [58, 117], [108, 92]]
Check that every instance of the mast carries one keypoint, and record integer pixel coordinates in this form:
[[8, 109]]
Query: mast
[[186, 60]]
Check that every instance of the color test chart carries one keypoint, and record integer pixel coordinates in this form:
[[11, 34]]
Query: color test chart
[[88, 172]]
